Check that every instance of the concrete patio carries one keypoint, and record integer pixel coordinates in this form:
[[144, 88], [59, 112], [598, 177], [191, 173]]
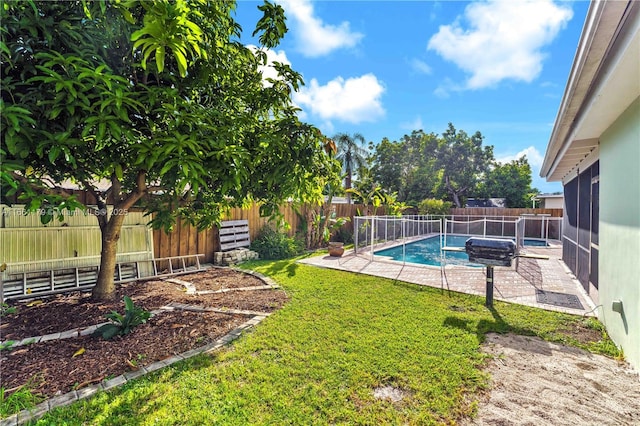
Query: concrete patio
[[510, 285]]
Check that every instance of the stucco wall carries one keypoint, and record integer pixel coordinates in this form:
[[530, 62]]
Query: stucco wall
[[552, 203], [620, 230]]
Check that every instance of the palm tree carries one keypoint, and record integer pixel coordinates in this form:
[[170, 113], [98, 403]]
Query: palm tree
[[352, 155]]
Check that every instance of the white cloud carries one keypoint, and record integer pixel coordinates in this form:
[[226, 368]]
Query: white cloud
[[441, 92], [533, 157], [504, 39], [314, 37], [416, 124], [353, 100], [445, 88], [436, 8], [420, 66], [268, 71]]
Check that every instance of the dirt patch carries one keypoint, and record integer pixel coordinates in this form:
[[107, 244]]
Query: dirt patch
[[534, 382], [50, 368]]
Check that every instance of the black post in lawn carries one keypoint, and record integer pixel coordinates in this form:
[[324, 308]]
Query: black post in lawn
[[489, 292]]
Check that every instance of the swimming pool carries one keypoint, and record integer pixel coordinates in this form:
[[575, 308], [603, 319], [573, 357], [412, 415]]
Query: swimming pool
[[427, 251]]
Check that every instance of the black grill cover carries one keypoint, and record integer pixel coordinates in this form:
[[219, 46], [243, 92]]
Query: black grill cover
[[490, 251]]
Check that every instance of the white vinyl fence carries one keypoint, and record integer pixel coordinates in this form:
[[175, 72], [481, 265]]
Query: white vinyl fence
[[30, 250], [373, 233], [378, 231]]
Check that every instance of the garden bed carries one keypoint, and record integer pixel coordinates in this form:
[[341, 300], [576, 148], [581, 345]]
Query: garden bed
[[50, 368]]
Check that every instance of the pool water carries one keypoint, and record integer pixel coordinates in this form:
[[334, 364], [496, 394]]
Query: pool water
[[427, 251]]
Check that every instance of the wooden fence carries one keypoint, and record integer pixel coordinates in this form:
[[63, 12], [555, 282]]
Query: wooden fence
[[187, 240], [496, 212]]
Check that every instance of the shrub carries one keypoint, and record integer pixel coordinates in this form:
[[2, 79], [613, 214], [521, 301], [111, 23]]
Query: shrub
[[435, 207], [5, 309], [343, 235], [273, 244], [123, 324]]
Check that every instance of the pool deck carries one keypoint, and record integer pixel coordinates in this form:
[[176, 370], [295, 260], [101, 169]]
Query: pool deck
[[509, 285]]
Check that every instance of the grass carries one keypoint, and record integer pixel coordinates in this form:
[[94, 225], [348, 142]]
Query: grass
[[319, 359], [21, 399]]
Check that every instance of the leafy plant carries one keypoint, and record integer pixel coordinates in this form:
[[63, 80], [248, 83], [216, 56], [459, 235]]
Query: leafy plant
[[376, 197], [5, 309], [7, 346], [344, 235], [123, 324], [274, 244], [393, 206], [435, 207]]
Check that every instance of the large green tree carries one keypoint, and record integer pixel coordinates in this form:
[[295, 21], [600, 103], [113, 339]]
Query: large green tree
[[511, 181], [423, 165], [408, 166], [352, 155], [464, 162], [149, 102]]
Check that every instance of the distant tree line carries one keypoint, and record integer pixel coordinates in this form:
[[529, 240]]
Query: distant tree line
[[451, 167]]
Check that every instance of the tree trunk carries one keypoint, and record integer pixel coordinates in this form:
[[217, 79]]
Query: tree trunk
[[309, 235], [347, 185], [105, 288], [454, 193], [456, 200]]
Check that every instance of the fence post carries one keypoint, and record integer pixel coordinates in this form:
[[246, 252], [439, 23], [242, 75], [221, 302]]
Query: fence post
[[373, 224], [402, 222], [355, 234]]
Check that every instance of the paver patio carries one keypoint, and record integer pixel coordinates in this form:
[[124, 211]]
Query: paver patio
[[509, 285]]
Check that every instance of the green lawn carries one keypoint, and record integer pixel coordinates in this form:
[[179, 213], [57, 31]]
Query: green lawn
[[319, 359]]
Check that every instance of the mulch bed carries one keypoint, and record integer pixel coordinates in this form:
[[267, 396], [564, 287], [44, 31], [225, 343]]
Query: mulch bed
[[49, 368]]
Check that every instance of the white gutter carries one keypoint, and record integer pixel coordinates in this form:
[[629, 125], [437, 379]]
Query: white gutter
[[602, 25]]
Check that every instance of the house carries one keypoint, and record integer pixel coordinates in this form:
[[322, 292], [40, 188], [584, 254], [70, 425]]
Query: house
[[549, 201], [594, 150], [486, 202], [336, 200]]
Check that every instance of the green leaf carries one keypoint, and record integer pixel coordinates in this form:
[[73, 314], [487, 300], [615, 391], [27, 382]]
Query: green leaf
[[115, 316], [137, 34], [160, 58], [119, 175], [182, 62], [46, 217], [108, 331], [102, 128], [54, 152], [128, 303], [127, 16], [55, 113]]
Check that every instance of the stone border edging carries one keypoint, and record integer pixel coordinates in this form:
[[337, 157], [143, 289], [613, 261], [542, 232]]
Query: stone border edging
[[76, 395], [78, 332]]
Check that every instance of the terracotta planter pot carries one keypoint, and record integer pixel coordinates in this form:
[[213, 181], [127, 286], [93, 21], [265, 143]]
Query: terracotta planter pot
[[336, 249]]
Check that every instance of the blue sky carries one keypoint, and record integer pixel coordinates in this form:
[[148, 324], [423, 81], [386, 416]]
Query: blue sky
[[385, 68]]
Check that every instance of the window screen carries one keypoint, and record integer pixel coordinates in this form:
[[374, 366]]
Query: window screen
[[571, 210], [584, 209]]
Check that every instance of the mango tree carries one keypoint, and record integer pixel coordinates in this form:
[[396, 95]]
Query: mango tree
[[149, 103], [464, 162]]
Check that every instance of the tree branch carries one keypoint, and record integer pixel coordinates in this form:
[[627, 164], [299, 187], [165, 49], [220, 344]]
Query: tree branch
[[116, 188], [93, 191], [42, 190], [136, 194], [151, 189]]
